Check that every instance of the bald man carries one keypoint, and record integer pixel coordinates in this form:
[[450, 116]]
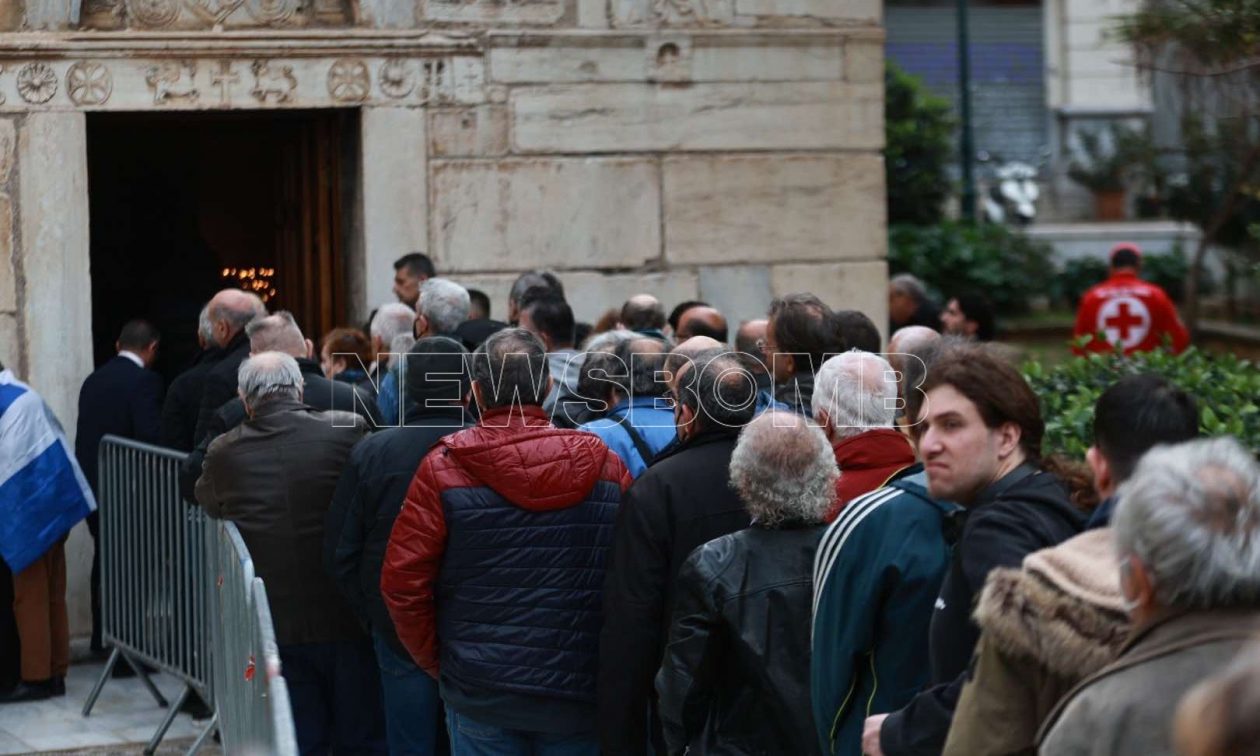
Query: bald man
[[229, 312], [909, 351], [643, 313], [702, 321]]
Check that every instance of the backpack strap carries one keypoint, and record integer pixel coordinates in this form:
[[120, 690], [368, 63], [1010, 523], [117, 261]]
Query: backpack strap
[[641, 445]]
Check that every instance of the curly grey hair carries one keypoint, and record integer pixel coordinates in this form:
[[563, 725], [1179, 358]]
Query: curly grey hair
[[445, 304], [1191, 514], [784, 470]]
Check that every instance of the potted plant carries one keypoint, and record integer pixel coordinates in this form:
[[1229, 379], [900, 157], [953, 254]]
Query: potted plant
[[1100, 165]]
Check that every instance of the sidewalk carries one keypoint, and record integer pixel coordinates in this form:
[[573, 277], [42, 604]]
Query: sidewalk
[[123, 720]]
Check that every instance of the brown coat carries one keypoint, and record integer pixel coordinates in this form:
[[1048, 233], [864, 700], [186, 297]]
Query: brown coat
[[1046, 626], [1127, 708], [274, 476]]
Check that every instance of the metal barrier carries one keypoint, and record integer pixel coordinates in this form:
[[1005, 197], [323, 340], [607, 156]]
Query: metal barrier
[[251, 695], [161, 560]]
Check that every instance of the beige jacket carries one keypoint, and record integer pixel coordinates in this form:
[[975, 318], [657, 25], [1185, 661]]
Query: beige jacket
[[1046, 626], [1127, 708]]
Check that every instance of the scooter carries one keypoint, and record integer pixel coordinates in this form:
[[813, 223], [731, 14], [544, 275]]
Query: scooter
[[1012, 194]]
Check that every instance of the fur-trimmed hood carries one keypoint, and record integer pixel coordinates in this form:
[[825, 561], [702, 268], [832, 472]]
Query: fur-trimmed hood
[[1063, 607]]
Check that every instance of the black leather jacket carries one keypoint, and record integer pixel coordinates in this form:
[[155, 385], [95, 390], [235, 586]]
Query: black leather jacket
[[735, 678]]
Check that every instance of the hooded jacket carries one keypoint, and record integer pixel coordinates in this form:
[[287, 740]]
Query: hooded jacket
[[1026, 511], [867, 461], [494, 570], [1045, 627]]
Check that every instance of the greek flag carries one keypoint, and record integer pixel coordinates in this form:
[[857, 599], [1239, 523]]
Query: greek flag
[[42, 490]]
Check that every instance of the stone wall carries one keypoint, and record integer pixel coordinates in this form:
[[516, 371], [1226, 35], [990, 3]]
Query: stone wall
[[727, 150]]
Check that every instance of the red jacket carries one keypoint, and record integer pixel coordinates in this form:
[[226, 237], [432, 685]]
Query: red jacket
[[866, 462], [495, 477], [1131, 312]]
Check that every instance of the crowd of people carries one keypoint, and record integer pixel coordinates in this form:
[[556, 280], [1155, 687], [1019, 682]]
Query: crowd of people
[[536, 536]]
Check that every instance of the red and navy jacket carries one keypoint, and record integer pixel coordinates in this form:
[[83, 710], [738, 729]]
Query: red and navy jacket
[[1128, 311], [495, 566]]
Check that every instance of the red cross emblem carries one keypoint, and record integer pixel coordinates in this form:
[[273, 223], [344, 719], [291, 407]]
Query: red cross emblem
[[1125, 320]]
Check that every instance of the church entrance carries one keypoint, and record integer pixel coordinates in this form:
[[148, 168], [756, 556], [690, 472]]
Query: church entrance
[[184, 204]]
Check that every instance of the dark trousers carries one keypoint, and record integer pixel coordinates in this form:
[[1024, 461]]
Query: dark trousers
[[414, 721], [94, 527], [335, 690]]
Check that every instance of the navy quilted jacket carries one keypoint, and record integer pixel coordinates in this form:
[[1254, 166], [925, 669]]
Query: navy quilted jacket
[[495, 567]]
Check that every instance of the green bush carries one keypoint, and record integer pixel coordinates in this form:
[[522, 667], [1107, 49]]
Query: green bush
[[919, 146], [1167, 271], [955, 257], [1077, 275], [1225, 387]]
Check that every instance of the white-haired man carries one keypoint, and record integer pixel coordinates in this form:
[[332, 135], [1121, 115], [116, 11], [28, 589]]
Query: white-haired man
[[736, 669], [390, 321], [880, 564], [1187, 535], [442, 306], [274, 476], [855, 400]]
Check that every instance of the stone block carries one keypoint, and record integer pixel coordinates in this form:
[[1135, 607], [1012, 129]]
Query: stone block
[[591, 294], [864, 61], [592, 14], [720, 116], [493, 11], [843, 286], [8, 275], [8, 146], [53, 192], [740, 292], [480, 131], [546, 213], [852, 11], [685, 13], [771, 208], [9, 341], [495, 285], [395, 199], [672, 56]]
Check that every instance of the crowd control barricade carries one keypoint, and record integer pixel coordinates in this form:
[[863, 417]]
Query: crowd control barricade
[[155, 576], [251, 697], [179, 594]]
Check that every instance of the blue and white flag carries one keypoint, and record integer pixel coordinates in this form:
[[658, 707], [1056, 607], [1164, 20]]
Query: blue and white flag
[[42, 490]]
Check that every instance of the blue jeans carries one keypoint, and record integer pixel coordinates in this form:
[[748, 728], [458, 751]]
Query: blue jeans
[[471, 738], [413, 715], [335, 692]]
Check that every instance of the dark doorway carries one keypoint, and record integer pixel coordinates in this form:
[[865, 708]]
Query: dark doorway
[[183, 205]]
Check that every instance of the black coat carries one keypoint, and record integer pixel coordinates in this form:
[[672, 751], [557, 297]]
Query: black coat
[[183, 401], [735, 677], [366, 503], [121, 398], [220, 383], [1025, 511], [318, 393], [682, 501]]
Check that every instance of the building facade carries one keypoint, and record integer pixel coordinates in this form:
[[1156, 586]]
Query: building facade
[[727, 150]]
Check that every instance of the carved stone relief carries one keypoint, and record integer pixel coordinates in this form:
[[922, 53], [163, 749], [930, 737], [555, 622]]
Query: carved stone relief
[[397, 78], [154, 14], [37, 83], [686, 13], [89, 83], [272, 82], [494, 11], [205, 14], [225, 78], [349, 80], [172, 81]]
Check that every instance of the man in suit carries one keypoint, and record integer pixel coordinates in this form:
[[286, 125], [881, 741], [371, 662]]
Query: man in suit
[[230, 311], [122, 397], [183, 396], [279, 332]]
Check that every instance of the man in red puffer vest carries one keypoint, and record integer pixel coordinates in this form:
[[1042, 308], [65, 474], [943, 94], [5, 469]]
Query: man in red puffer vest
[[494, 571], [1128, 311]]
